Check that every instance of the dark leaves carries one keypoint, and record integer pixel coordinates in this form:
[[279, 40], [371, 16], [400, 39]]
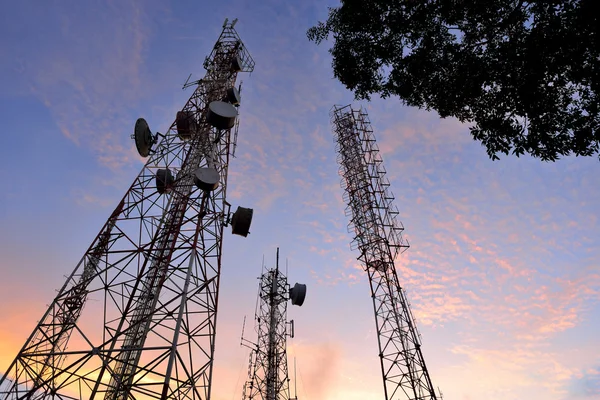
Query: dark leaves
[[525, 74]]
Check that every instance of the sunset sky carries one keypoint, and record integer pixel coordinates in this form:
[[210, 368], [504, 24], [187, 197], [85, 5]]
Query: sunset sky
[[503, 272]]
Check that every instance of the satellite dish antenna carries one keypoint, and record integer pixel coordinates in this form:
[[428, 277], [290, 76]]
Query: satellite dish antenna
[[298, 294], [233, 96], [206, 179], [241, 221], [164, 181], [236, 63], [221, 115], [143, 137], [186, 124]]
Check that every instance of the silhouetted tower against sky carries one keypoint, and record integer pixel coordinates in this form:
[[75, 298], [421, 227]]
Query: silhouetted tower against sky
[[268, 370], [378, 237], [136, 318]]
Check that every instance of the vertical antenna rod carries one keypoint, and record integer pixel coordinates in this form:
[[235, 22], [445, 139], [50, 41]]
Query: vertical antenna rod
[[378, 237], [272, 356], [295, 382]]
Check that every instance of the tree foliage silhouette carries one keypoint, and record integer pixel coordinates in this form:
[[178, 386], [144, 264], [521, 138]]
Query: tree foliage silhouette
[[524, 74]]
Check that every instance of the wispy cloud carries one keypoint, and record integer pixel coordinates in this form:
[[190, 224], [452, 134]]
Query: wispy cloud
[[502, 273], [90, 76], [318, 368], [585, 385]]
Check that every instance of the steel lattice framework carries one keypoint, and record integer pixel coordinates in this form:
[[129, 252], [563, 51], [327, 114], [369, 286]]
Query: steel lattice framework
[[150, 280], [268, 370], [378, 237]]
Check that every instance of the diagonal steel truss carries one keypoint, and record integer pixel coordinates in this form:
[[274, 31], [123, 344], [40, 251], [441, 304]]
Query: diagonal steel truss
[[378, 237], [136, 318], [268, 370]]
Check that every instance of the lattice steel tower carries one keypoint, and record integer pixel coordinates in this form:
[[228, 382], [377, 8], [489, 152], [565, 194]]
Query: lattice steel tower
[[268, 371], [378, 237], [136, 318]]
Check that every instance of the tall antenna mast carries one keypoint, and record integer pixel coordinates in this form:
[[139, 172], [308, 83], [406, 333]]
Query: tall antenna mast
[[268, 371], [378, 237], [154, 268]]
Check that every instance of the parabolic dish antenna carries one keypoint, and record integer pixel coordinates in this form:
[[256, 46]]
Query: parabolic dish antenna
[[164, 181], [241, 220], [298, 294], [206, 179], [143, 137], [236, 63], [233, 96], [186, 124], [221, 115]]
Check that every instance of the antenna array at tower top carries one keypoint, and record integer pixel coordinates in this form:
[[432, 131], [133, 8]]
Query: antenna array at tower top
[[364, 181]]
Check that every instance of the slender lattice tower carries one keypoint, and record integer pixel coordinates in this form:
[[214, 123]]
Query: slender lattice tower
[[268, 369], [378, 237], [136, 318]]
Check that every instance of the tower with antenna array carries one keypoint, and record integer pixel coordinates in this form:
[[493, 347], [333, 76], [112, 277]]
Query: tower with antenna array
[[378, 238], [136, 319], [268, 369]]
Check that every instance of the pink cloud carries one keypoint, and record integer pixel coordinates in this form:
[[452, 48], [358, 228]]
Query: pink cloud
[[89, 81], [318, 368]]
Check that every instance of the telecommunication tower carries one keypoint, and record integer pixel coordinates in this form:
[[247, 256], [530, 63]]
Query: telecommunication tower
[[268, 369], [378, 237], [136, 319]]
